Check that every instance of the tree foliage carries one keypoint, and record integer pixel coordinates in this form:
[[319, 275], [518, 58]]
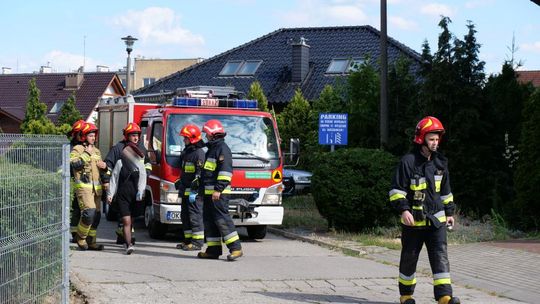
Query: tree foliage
[[35, 119], [526, 208], [256, 92], [293, 120], [69, 114]]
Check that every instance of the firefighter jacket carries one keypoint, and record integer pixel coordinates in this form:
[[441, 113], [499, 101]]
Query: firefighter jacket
[[191, 166], [86, 172], [422, 186], [217, 169]]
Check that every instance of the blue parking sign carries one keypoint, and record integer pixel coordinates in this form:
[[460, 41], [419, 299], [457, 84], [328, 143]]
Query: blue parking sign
[[333, 128]]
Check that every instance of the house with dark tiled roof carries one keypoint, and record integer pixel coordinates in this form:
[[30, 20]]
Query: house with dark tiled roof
[[286, 59], [529, 76], [55, 89]]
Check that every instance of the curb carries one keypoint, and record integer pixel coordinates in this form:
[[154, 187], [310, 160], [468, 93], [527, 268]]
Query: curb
[[294, 236]]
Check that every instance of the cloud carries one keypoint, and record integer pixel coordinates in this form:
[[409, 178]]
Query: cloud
[[531, 47], [158, 25], [437, 9], [402, 23], [61, 61], [320, 12], [478, 3]]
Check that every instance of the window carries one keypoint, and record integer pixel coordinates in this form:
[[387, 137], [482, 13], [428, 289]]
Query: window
[[230, 68], [156, 142], [148, 81], [338, 66], [343, 65], [240, 68], [249, 67], [56, 107]]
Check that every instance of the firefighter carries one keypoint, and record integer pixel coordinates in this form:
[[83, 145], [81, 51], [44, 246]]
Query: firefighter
[[421, 194], [191, 163], [128, 162], [88, 166], [216, 179], [75, 139]]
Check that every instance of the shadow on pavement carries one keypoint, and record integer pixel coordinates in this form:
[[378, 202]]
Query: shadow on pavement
[[317, 298]]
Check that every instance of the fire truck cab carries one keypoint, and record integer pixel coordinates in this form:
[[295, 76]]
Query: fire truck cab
[[252, 136]]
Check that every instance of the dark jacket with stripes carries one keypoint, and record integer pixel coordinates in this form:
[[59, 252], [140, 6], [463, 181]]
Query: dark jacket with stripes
[[217, 169], [191, 164], [422, 185]]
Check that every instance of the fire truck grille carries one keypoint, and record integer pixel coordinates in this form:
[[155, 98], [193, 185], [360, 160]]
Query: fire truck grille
[[247, 197]]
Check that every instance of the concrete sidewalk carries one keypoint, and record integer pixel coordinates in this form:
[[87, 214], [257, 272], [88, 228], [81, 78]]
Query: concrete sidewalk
[[497, 268]]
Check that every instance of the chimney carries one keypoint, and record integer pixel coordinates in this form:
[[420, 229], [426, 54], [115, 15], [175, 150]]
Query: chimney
[[102, 68], [45, 69], [300, 60], [6, 70], [74, 81]]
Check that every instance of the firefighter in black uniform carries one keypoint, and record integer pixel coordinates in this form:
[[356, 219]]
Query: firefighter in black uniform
[[216, 177], [421, 194], [191, 163]]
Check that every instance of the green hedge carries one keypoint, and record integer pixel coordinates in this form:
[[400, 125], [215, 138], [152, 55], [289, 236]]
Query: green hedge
[[350, 188]]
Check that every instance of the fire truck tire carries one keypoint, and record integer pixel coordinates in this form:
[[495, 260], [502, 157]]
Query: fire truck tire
[[256, 232], [156, 230], [110, 215]]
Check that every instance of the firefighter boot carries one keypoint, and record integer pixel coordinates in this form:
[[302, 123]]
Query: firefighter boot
[[235, 254], [204, 255], [81, 242], [92, 245], [408, 299], [448, 300]]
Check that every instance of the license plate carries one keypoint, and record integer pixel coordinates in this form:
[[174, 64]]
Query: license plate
[[173, 216]]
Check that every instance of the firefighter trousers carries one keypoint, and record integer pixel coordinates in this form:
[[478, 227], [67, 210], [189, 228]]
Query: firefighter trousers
[[89, 204], [75, 215], [412, 240], [219, 226], [192, 221]]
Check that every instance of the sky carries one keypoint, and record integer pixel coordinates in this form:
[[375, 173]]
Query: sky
[[68, 34]]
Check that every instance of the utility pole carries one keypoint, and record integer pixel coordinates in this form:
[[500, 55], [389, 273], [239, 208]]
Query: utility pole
[[384, 76]]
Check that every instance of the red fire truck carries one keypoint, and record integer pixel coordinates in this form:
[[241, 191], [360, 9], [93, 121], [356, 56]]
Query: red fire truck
[[252, 136]]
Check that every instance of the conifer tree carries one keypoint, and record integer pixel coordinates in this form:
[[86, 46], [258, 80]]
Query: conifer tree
[[256, 92], [69, 114], [293, 121], [35, 119]]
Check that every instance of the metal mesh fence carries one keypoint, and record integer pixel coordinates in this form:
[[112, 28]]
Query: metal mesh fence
[[34, 195]]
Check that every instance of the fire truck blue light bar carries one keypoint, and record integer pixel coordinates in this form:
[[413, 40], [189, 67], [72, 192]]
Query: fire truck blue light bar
[[215, 103]]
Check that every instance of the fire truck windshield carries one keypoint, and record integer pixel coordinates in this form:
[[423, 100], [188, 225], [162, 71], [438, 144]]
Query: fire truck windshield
[[249, 137]]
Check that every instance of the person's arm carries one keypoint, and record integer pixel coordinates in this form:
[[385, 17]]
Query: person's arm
[[398, 194], [448, 199], [78, 157]]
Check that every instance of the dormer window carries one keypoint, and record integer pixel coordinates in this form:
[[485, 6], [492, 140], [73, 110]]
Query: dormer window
[[240, 68], [56, 107], [344, 65]]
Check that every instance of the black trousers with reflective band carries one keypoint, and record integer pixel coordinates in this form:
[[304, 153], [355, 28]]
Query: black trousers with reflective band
[[412, 240], [192, 221], [219, 226]]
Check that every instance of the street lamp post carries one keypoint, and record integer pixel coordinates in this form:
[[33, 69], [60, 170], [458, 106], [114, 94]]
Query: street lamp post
[[129, 47], [384, 75]]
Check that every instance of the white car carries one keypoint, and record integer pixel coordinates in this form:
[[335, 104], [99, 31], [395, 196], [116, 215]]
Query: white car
[[296, 181]]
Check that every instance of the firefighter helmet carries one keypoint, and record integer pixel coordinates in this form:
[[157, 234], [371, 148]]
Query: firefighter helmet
[[428, 124], [76, 127], [191, 132], [131, 128], [213, 127], [87, 129]]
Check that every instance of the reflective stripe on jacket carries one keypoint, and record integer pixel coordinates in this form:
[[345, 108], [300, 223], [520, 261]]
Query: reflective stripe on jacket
[[425, 181], [217, 168]]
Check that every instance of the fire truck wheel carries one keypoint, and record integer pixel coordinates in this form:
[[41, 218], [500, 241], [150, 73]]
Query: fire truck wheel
[[256, 232], [156, 230], [110, 215]]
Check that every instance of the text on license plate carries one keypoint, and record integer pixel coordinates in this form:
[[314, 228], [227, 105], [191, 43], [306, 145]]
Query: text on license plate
[[173, 215]]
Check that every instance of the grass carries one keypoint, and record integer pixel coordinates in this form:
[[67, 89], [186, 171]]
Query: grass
[[301, 215]]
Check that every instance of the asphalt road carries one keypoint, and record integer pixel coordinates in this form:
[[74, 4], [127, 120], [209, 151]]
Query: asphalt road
[[274, 270]]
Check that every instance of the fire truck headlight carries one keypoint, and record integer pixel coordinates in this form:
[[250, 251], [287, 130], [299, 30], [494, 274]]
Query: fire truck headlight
[[272, 196], [168, 193]]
